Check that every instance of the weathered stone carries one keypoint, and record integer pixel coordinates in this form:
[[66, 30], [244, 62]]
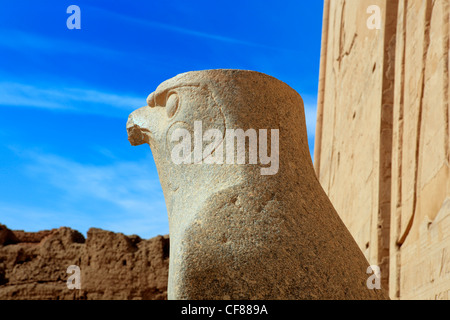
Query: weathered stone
[[7, 236], [130, 268], [350, 149], [31, 237], [236, 233], [112, 265], [382, 148]]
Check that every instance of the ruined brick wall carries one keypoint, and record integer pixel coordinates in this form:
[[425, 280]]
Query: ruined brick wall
[[33, 265], [382, 142]]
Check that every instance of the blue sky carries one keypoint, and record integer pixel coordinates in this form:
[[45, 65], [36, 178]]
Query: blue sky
[[65, 96]]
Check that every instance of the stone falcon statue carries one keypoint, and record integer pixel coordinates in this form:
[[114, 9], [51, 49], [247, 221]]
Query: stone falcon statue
[[237, 231]]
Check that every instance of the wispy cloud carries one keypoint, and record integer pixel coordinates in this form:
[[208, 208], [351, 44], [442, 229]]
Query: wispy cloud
[[26, 41], [119, 196], [70, 99], [183, 31], [35, 218], [121, 183], [37, 44]]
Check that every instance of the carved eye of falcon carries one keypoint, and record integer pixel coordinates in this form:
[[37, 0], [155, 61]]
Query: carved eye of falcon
[[172, 104]]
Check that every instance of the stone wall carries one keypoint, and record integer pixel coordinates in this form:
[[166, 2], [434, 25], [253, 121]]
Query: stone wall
[[382, 142], [113, 266]]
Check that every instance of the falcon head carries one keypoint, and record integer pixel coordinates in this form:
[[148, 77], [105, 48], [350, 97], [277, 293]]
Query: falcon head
[[176, 103], [220, 100]]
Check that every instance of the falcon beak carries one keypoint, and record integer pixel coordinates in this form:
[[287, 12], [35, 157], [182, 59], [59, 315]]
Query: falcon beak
[[145, 125], [138, 128]]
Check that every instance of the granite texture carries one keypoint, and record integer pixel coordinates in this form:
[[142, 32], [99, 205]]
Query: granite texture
[[236, 233]]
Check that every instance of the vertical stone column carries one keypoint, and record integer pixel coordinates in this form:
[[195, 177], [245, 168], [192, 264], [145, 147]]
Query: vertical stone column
[[420, 234], [383, 120], [354, 126]]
